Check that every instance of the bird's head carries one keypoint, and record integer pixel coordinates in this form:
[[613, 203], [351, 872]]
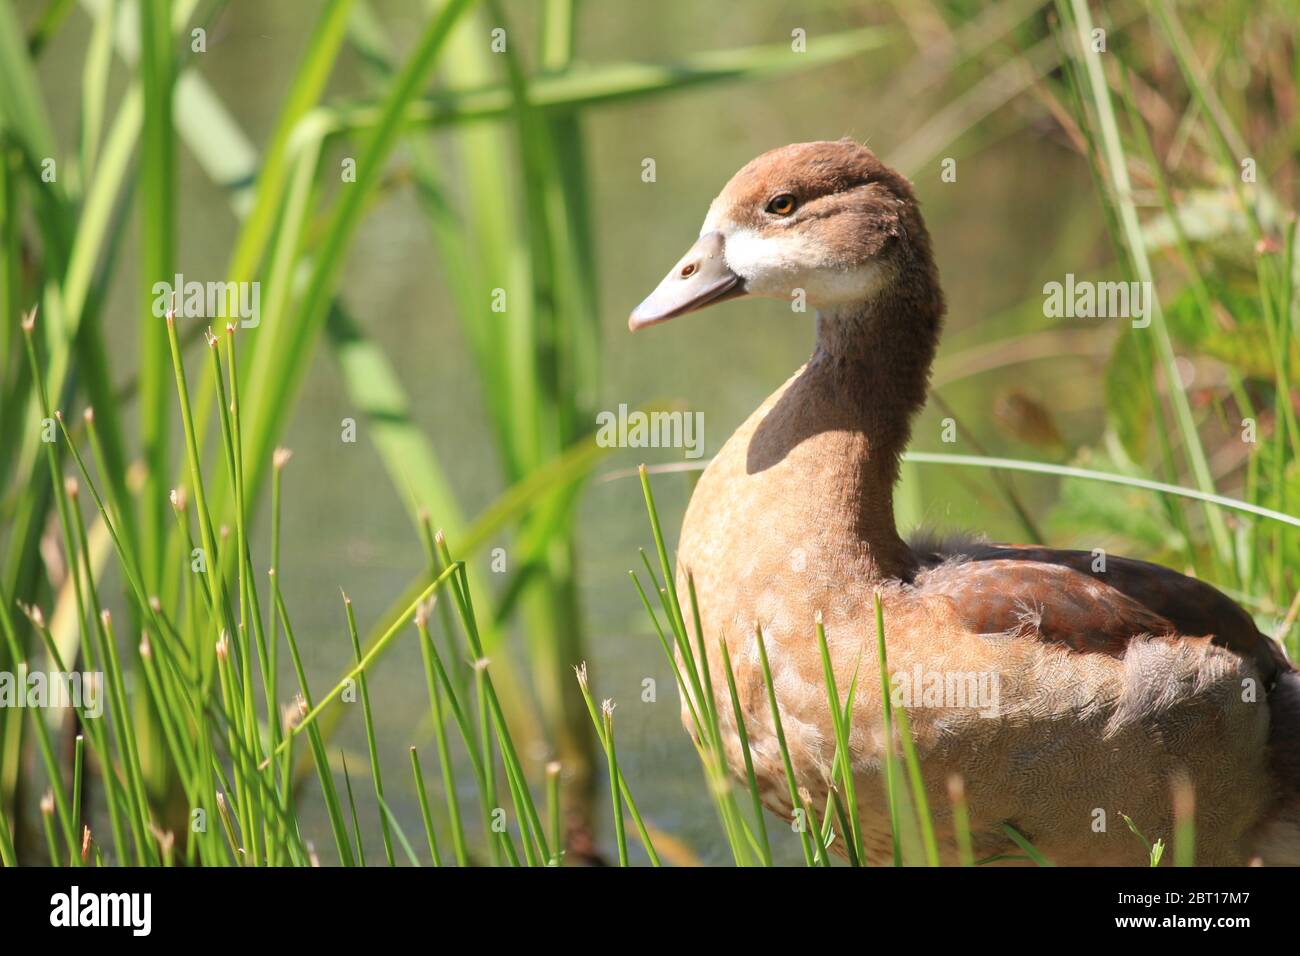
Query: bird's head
[[825, 221]]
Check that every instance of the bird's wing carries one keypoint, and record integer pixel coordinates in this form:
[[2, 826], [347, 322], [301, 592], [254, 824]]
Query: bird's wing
[[1090, 602]]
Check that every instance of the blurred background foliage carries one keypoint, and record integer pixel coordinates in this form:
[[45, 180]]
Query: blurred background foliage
[[519, 169]]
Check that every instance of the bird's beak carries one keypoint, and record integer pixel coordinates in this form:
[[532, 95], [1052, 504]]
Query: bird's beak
[[700, 279]]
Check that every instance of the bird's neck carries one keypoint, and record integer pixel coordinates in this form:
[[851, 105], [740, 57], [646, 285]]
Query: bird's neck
[[866, 380], [876, 356]]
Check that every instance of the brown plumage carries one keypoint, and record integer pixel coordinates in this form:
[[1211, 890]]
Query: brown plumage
[[1090, 691]]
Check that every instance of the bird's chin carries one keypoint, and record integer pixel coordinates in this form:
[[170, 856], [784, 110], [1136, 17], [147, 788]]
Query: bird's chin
[[834, 289], [796, 286], [826, 287]]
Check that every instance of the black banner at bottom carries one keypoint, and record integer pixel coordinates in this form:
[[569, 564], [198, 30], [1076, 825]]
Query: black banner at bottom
[[123, 906]]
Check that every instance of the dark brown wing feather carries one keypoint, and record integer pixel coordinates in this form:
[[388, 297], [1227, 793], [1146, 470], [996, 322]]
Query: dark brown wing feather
[[1058, 595]]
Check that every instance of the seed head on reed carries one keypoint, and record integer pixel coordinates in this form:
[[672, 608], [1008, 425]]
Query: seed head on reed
[[166, 838], [956, 789], [136, 474], [34, 614], [1267, 245], [292, 713]]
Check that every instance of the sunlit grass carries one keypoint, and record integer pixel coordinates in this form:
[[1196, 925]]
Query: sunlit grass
[[191, 659]]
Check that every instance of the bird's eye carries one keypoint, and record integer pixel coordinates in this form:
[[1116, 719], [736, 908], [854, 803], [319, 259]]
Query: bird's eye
[[782, 205]]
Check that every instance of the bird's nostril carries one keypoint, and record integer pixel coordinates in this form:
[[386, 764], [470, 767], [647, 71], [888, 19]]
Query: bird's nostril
[[688, 270]]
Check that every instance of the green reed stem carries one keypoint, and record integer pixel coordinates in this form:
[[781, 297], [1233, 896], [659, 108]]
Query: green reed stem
[[424, 808], [792, 782], [371, 744]]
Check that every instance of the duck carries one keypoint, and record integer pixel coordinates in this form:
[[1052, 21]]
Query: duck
[[1120, 688]]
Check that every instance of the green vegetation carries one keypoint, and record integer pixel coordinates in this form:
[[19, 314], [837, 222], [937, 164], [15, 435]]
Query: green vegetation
[[132, 497]]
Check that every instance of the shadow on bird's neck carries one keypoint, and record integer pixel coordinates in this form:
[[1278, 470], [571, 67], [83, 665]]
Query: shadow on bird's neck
[[842, 422]]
